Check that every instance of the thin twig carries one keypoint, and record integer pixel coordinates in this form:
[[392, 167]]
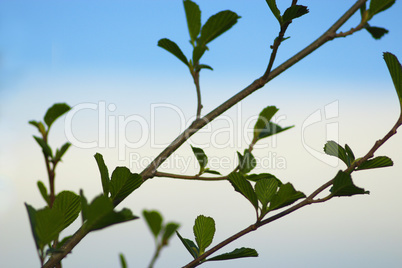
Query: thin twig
[[185, 177], [155, 256], [196, 78], [351, 31]]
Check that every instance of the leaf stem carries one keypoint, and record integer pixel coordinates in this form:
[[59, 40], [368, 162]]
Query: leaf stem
[[196, 78], [155, 256]]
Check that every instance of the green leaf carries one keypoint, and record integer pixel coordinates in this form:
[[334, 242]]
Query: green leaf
[[204, 231], [34, 123], [243, 186], [377, 162], [173, 48], [39, 126], [334, 149], [123, 262], [285, 196], [96, 210], [123, 183], [68, 203], [247, 161], [46, 224], [265, 190], [272, 129], [343, 186], [263, 119], [32, 220], [344, 154], [264, 127], [257, 177], [84, 206], [204, 66], [51, 251], [43, 191], [100, 214], [294, 12], [62, 151], [190, 246], [154, 221], [104, 173], [114, 217], [193, 16], [363, 8], [168, 231], [235, 254], [207, 170], [217, 25], [45, 147], [63, 241], [55, 112], [197, 54], [376, 32], [49, 224], [395, 69], [275, 10], [376, 6], [350, 155], [201, 158]]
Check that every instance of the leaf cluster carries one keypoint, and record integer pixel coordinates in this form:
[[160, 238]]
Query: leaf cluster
[[264, 191], [47, 223], [161, 232], [64, 208], [347, 156], [291, 13], [343, 184], [204, 231], [52, 114], [202, 159], [375, 7], [200, 35], [268, 193], [264, 127]]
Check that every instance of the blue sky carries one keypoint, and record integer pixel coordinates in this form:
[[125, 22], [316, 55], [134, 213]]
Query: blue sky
[[96, 52]]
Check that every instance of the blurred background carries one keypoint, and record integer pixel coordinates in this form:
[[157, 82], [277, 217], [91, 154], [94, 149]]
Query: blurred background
[[132, 98]]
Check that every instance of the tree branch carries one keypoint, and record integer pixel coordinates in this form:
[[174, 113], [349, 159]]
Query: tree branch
[[309, 200], [150, 170]]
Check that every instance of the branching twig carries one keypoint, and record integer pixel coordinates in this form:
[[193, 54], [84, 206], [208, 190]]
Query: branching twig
[[149, 171], [351, 31], [309, 200]]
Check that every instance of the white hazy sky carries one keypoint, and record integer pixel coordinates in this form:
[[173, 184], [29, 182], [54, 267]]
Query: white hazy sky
[[95, 54]]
